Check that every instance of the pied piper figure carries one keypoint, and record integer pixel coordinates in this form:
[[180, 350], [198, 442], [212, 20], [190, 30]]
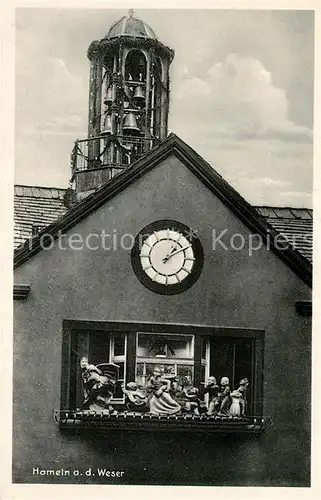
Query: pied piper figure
[[160, 401], [98, 384]]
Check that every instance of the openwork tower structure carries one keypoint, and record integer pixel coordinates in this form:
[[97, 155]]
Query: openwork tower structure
[[128, 103]]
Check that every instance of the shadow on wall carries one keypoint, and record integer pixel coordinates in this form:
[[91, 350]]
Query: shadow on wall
[[151, 458]]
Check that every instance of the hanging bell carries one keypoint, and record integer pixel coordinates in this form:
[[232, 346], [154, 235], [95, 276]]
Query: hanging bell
[[130, 125], [107, 126], [109, 96], [139, 95]]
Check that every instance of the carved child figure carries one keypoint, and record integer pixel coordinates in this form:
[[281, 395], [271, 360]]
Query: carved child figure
[[136, 397], [160, 401], [212, 389], [224, 397], [176, 387], [235, 408], [244, 383], [191, 396]]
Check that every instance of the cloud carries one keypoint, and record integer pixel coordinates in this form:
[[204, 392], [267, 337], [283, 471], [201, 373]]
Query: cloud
[[50, 115], [298, 199], [236, 98], [262, 171], [54, 106], [238, 120], [269, 181]]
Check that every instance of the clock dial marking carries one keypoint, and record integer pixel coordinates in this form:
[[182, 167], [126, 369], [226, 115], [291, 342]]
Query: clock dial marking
[[179, 238], [182, 249]]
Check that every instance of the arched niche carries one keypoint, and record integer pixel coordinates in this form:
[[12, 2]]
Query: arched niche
[[136, 66]]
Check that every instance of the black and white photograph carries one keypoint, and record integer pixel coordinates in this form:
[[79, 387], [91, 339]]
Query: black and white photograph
[[163, 223]]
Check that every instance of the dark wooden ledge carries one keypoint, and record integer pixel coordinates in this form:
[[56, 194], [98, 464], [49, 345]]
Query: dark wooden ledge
[[70, 419], [20, 292]]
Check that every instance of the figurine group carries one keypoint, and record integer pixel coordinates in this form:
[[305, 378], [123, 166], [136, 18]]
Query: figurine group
[[166, 395], [162, 395], [223, 401]]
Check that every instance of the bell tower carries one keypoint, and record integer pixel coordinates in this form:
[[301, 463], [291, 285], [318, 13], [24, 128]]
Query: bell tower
[[128, 103]]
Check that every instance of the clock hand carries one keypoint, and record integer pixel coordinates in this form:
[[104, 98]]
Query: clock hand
[[173, 248], [168, 256]]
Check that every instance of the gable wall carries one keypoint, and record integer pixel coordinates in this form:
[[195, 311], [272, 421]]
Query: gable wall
[[234, 290]]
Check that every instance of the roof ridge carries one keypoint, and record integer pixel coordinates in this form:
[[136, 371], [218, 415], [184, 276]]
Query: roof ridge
[[39, 187], [282, 207]]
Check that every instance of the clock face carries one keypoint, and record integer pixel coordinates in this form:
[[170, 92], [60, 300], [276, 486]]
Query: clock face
[[167, 257]]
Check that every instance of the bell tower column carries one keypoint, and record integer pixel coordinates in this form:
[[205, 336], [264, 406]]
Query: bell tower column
[[95, 90]]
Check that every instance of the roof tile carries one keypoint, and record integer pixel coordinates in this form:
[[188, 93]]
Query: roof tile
[[35, 206], [283, 213], [36, 192], [302, 213], [27, 191], [45, 193], [295, 224]]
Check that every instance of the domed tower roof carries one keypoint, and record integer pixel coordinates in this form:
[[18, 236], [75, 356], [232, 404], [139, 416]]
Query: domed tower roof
[[130, 26]]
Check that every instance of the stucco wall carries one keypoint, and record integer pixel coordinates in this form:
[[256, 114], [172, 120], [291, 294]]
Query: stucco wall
[[234, 290]]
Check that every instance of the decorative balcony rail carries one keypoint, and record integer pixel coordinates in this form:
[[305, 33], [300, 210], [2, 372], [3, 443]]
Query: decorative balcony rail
[[108, 151], [126, 420]]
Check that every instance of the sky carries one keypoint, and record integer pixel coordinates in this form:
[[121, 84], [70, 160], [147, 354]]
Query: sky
[[241, 93]]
